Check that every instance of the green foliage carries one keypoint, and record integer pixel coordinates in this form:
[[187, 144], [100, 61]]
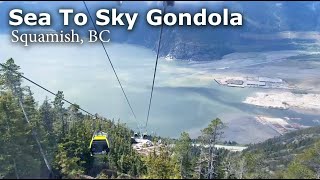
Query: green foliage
[[296, 170], [209, 161], [68, 166], [161, 166], [19, 153], [183, 155], [294, 155], [305, 165]]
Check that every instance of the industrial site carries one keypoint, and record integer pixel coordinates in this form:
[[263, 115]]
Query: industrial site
[[254, 82]]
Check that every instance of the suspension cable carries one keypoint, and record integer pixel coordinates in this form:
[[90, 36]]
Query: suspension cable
[[34, 133], [110, 62], [4, 66], [155, 69]]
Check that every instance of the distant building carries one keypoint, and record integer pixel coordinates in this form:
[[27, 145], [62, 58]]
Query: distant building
[[235, 85], [272, 80], [255, 83], [234, 82]]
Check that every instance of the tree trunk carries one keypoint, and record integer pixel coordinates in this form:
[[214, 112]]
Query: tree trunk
[[15, 168]]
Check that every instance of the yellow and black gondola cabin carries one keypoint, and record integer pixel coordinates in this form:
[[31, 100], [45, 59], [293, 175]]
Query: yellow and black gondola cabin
[[99, 144]]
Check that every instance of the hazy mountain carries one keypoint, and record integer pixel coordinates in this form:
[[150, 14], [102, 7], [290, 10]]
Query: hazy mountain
[[266, 26]]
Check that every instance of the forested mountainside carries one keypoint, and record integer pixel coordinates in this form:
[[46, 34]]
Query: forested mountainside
[[64, 134], [293, 155]]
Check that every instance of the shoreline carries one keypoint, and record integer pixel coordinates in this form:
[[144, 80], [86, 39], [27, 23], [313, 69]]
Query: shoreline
[[286, 100]]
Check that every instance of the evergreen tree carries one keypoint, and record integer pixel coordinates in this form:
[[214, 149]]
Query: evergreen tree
[[27, 151], [183, 149], [59, 120], [46, 114], [208, 163], [161, 166]]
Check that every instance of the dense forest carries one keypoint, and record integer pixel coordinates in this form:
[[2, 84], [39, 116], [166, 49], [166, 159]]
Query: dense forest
[[51, 140], [294, 155]]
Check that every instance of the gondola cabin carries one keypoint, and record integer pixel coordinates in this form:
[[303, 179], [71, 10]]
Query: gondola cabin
[[99, 144], [146, 136]]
